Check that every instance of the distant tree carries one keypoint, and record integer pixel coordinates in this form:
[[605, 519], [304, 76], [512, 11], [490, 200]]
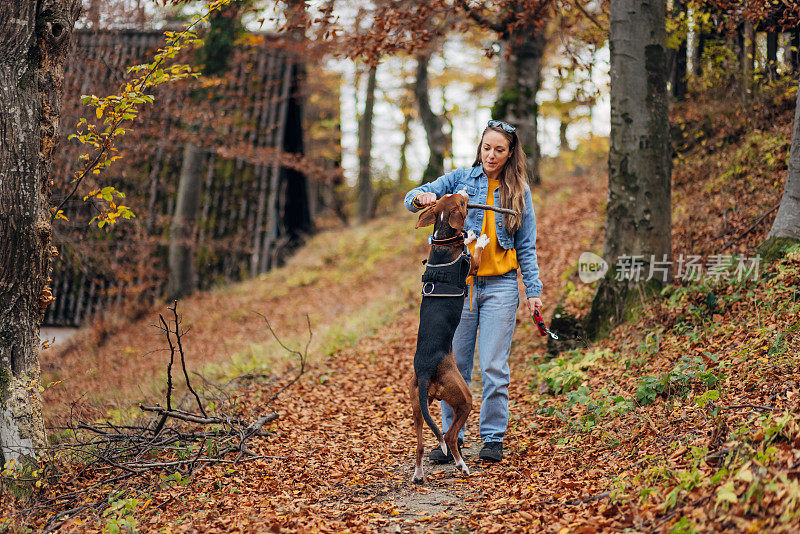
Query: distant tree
[[786, 227], [405, 105], [366, 194], [747, 51], [638, 210], [35, 42], [520, 26], [677, 39], [225, 26], [570, 62], [772, 55], [438, 140]]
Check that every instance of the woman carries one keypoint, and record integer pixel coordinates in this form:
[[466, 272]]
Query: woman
[[498, 177]]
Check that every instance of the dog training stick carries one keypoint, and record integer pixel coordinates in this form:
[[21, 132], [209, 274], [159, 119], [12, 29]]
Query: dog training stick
[[498, 210]]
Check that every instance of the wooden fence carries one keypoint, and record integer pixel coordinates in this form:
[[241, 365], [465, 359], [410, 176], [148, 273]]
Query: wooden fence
[[254, 203]]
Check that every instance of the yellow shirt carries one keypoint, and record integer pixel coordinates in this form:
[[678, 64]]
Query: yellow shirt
[[495, 260]]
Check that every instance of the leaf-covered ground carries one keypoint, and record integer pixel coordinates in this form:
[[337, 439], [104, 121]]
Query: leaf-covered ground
[[685, 420]]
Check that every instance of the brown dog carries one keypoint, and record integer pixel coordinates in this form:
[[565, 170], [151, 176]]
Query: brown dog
[[436, 376]]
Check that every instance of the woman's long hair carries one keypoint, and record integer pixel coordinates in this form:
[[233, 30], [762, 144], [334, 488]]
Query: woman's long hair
[[513, 177]]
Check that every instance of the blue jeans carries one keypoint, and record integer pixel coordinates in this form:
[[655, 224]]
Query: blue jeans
[[492, 320]]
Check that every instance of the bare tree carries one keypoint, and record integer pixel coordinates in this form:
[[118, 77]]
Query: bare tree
[[34, 39], [365, 190], [438, 140]]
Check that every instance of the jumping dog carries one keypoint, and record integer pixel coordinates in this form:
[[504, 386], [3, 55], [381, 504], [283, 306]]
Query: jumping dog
[[436, 376]]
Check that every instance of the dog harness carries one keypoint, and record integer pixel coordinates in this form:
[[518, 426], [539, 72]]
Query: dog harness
[[447, 279]]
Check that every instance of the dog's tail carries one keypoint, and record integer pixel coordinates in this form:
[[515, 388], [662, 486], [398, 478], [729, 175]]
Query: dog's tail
[[424, 383]]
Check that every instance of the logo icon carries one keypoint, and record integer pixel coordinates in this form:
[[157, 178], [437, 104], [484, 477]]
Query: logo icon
[[591, 267]]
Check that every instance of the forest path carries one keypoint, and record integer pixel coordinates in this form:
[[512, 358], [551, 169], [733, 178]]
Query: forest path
[[340, 456]]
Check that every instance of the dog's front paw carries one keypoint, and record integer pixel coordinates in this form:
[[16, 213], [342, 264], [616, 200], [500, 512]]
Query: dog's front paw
[[483, 240], [470, 237]]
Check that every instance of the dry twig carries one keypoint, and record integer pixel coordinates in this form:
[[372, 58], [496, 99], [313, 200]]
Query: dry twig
[[177, 440]]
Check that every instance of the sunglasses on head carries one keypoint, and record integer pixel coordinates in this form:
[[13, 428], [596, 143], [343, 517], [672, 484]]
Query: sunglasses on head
[[500, 124]]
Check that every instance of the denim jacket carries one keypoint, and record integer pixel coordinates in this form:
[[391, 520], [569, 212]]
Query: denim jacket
[[476, 184]]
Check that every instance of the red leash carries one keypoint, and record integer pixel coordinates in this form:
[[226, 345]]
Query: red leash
[[539, 321]]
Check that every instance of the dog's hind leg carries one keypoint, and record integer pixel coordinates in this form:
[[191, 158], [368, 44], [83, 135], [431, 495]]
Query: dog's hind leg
[[461, 412], [419, 474]]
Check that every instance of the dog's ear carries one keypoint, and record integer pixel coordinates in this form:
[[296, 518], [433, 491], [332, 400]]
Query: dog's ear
[[457, 217], [426, 217]]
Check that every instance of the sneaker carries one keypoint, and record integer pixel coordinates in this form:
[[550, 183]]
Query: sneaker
[[492, 451], [436, 456]]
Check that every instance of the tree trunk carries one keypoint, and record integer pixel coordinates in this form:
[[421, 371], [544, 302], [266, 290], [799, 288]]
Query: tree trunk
[[93, 14], [786, 227], [748, 54], [406, 129], [795, 50], [638, 208], [433, 124], [365, 191], [678, 59], [563, 144], [35, 44], [295, 213], [697, 53], [518, 80], [225, 25], [182, 263], [772, 55], [786, 49]]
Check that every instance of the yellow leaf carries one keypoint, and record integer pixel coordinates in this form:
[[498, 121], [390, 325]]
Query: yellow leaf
[[745, 474], [98, 112]]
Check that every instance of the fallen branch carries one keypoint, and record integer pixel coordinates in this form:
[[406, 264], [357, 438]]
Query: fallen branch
[[172, 348], [751, 228], [678, 510], [183, 416], [753, 406], [303, 356]]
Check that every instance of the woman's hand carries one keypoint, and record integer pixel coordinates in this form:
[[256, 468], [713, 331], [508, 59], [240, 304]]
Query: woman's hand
[[533, 303], [426, 199]]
